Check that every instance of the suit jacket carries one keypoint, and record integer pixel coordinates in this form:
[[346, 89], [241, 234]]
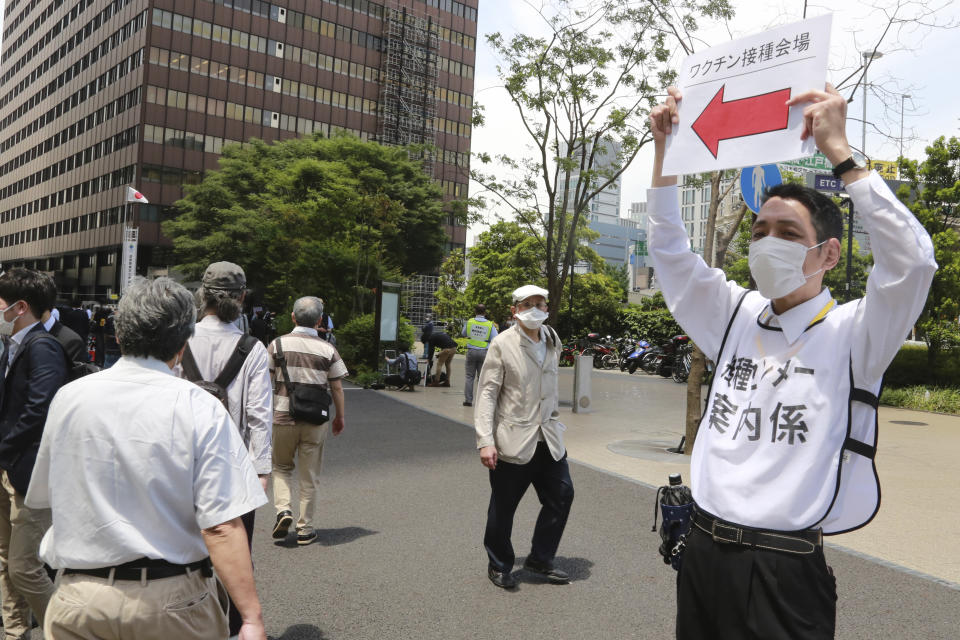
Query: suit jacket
[[37, 371], [73, 345], [519, 399]]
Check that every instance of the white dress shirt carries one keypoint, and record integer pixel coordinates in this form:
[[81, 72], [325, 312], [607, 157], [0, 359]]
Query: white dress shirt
[[773, 482], [702, 300], [250, 395], [135, 462]]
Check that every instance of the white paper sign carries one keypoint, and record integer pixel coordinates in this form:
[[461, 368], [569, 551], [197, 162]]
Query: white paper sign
[[733, 112]]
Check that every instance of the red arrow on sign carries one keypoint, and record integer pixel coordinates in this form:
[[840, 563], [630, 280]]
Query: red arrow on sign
[[744, 117]]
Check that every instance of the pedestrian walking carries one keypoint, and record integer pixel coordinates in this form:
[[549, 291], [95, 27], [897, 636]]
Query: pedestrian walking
[[785, 450], [219, 346], [479, 332], [35, 367], [520, 439], [147, 486], [302, 359]]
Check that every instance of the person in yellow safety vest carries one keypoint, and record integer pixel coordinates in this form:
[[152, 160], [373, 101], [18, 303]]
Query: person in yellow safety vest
[[479, 332]]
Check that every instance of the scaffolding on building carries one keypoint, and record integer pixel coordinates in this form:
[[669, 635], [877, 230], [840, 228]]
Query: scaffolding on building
[[408, 100], [418, 298]]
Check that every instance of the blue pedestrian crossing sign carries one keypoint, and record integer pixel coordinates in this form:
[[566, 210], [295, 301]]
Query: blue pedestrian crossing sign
[[753, 181]]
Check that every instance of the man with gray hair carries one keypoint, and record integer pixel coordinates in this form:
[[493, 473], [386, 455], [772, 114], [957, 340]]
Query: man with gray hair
[[237, 363], [301, 359], [146, 486]]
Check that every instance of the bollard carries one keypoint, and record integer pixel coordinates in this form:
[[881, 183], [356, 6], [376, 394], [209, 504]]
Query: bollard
[[582, 368]]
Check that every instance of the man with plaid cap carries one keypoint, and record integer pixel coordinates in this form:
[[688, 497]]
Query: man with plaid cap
[[521, 441]]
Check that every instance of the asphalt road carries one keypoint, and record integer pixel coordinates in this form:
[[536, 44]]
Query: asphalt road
[[399, 555]]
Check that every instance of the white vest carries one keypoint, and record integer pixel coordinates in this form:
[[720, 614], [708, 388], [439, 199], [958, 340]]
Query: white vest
[[787, 442]]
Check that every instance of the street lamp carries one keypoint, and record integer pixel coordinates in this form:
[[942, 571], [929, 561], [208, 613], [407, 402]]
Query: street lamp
[[867, 57], [903, 99]]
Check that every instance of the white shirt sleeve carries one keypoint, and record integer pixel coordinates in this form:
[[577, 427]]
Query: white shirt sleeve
[[259, 410], [897, 287], [225, 484], [700, 298]]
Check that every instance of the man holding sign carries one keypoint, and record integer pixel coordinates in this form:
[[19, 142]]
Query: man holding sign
[[784, 454]]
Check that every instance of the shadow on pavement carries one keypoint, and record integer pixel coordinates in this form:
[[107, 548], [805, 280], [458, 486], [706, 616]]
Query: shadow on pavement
[[577, 568], [302, 632], [330, 537]]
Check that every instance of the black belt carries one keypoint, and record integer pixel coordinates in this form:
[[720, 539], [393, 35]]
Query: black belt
[[155, 570], [806, 541]]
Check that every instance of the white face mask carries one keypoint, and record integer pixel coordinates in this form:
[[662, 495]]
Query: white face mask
[[6, 326], [777, 266], [532, 318]]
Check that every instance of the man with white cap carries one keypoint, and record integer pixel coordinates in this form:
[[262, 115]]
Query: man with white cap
[[520, 439]]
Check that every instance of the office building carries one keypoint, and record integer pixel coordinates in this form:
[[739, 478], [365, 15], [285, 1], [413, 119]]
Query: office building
[[96, 95]]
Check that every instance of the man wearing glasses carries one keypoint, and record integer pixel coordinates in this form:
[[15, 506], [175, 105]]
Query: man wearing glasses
[[521, 441]]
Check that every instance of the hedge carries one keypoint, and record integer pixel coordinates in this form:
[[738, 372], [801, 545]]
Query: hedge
[[910, 368], [356, 340]]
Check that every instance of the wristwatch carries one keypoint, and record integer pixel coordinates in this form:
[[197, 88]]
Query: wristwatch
[[844, 166]]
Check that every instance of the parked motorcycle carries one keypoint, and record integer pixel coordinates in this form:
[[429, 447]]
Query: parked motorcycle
[[631, 362], [660, 360]]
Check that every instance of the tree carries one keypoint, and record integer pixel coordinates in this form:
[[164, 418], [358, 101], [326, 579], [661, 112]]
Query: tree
[[581, 93], [933, 195], [327, 216], [508, 256]]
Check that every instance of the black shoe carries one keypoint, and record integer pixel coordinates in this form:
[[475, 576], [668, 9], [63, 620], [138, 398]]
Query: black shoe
[[306, 538], [503, 579], [468, 404], [284, 520], [552, 574]]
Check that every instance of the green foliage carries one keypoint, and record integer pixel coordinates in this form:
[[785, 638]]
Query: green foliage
[[923, 399], [656, 326], [935, 187], [911, 367], [357, 341], [318, 216], [620, 276], [596, 305], [508, 256]]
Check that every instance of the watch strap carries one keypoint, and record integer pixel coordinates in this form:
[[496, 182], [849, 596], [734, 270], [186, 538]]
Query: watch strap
[[844, 166]]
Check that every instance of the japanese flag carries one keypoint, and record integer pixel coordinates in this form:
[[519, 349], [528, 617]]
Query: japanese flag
[[135, 196]]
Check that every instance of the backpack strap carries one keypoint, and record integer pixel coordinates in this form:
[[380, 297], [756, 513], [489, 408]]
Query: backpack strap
[[189, 364], [237, 358]]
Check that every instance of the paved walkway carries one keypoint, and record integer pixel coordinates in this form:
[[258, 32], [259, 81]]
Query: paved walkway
[[400, 556], [637, 417]]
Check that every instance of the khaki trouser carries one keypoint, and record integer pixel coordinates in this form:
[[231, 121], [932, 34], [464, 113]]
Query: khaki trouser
[[24, 583], [183, 607], [444, 358], [298, 445]]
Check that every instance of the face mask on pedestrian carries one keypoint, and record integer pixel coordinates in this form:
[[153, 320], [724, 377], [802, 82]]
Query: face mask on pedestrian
[[6, 326], [777, 265], [532, 318]]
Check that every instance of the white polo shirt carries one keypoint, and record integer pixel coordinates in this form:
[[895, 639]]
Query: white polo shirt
[[135, 462]]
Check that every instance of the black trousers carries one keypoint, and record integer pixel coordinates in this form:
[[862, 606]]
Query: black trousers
[[729, 592], [508, 482], [233, 616]]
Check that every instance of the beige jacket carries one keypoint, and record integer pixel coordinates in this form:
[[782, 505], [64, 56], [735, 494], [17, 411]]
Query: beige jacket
[[519, 399]]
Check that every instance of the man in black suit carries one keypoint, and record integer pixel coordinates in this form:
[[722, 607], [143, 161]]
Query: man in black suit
[[73, 344], [34, 368], [77, 320]]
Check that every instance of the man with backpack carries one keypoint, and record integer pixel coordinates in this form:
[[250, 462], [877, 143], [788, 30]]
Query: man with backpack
[[409, 375], [34, 368], [307, 371], [233, 365]]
